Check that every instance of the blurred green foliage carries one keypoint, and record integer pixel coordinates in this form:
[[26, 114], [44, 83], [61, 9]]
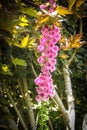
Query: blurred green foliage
[[20, 24]]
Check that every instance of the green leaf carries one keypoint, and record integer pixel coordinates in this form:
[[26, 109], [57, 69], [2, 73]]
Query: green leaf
[[71, 3], [4, 70], [29, 11], [20, 62], [63, 11], [6, 73]]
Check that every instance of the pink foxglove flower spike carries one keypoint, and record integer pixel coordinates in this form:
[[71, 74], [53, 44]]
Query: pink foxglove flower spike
[[47, 60]]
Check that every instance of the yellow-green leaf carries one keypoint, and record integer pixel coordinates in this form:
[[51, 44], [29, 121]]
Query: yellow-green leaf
[[20, 62], [43, 19], [31, 43], [63, 56], [29, 11], [71, 3], [23, 24], [63, 11], [23, 21], [24, 41], [5, 70], [79, 3]]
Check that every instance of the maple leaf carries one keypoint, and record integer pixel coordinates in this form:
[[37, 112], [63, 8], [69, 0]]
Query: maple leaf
[[71, 3], [63, 11]]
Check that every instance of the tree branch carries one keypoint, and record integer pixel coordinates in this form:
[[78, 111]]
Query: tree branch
[[62, 109], [70, 99]]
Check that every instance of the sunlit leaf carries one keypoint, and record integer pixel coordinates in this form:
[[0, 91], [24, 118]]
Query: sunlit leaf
[[79, 3], [62, 39], [37, 54], [75, 42], [29, 11], [72, 42], [78, 44], [63, 11], [20, 62], [77, 38], [5, 70], [63, 56], [24, 41], [71, 3], [23, 21], [14, 31], [27, 43], [43, 19], [71, 37], [31, 43], [68, 47], [23, 24], [57, 24]]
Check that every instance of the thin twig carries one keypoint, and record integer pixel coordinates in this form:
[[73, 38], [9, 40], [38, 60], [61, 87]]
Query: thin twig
[[50, 123], [71, 59], [33, 70], [81, 26]]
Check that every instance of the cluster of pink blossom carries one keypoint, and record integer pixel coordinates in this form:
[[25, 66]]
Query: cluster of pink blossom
[[47, 60], [52, 6]]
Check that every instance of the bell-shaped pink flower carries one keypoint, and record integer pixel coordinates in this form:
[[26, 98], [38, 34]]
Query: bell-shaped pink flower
[[47, 60]]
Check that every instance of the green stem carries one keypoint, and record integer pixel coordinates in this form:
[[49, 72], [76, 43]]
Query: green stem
[[81, 26], [50, 123], [71, 59], [34, 72], [41, 115]]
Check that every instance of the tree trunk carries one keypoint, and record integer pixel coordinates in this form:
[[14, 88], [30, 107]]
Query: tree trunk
[[29, 104], [70, 99]]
